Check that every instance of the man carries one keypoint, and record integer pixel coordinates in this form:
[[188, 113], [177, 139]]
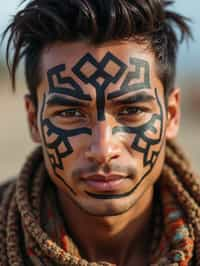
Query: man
[[107, 186]]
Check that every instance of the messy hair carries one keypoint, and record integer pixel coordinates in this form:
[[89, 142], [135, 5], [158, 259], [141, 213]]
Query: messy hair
[[43, 22]]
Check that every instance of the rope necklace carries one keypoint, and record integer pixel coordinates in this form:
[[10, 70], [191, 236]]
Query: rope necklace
[[173, 244]]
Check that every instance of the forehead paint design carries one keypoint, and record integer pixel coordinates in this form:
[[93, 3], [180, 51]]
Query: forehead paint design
[[126, 86], [70, 88], [100, 79], [150, 153]]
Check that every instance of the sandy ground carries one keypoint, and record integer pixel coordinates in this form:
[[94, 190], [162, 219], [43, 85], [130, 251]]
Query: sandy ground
[[15, 143]]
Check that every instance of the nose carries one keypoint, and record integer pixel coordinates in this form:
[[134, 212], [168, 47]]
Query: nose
[[103, 147]]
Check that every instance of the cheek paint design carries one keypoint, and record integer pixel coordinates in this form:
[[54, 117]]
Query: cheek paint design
[[60, 142], [148, 148], [69, 87], [100, 79], [142, 136]]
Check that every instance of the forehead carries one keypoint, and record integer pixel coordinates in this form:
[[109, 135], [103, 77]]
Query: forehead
[[70, 53], [108, 64]]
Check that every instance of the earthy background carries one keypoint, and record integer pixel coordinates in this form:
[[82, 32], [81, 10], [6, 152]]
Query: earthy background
[[15, 143]]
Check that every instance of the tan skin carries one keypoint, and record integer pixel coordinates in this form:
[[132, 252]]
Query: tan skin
[[115, 230]]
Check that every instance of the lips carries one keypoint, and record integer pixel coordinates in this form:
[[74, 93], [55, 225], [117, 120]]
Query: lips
[[104, 183]]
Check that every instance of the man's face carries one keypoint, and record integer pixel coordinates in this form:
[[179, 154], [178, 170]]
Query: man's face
[[102, 122]]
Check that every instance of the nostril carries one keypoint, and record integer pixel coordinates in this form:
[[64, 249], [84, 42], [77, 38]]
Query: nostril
[[102, 156], [115, 156], [95, 157]]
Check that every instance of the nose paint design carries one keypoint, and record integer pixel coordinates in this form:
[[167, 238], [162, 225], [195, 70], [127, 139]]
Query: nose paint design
[[56, 139]]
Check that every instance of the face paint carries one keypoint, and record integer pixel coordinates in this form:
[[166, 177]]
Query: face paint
[[149, 154], [100, 79], [70, 88], [126, 86], [53, 150], [139, 132]]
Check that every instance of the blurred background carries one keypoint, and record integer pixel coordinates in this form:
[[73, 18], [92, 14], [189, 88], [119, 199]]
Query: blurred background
[[15, 143]]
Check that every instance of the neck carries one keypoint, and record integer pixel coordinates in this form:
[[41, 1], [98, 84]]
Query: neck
[[115, 239]]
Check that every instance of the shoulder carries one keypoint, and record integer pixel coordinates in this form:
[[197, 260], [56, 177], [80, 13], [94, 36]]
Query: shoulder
[[4, 186]]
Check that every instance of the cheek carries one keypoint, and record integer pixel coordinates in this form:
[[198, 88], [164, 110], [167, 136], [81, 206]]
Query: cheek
[[127, 141], [158, 167], [153, 131], [76, 158], [79, 144]]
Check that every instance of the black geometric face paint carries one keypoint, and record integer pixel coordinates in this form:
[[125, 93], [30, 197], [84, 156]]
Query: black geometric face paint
[[64, 85], [133, 76], [150, 155], [100, 79], [61, 140], [68, 87]]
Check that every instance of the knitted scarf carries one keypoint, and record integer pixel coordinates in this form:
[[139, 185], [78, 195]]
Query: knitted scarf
[[46, 240]]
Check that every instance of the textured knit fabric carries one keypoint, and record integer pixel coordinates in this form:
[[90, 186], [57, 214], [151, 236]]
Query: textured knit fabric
[[35, 224]]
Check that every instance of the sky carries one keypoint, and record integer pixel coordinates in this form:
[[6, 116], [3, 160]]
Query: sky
[[188, 55]]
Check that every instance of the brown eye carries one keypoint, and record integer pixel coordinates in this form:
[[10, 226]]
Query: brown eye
[[70, 113], [131, 111]]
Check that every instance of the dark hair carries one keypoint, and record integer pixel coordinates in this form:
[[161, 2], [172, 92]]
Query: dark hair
[[43, 22]]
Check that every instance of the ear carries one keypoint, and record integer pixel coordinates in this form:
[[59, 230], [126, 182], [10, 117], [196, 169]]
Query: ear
[[173, 114], [32, 118]]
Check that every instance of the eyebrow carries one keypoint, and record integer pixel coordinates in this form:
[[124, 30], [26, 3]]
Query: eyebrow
[[56, 100], [136, 98]]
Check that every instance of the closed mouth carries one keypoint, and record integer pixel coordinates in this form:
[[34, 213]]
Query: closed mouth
[[104, 183]]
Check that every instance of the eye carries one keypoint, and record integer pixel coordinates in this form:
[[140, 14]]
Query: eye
[[70, 113], [132, 111]]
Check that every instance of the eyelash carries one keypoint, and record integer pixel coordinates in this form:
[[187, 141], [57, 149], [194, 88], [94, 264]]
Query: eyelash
[[135, 110], [70, 113]]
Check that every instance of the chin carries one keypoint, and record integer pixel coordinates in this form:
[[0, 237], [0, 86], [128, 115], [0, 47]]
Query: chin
[[102, 208]]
